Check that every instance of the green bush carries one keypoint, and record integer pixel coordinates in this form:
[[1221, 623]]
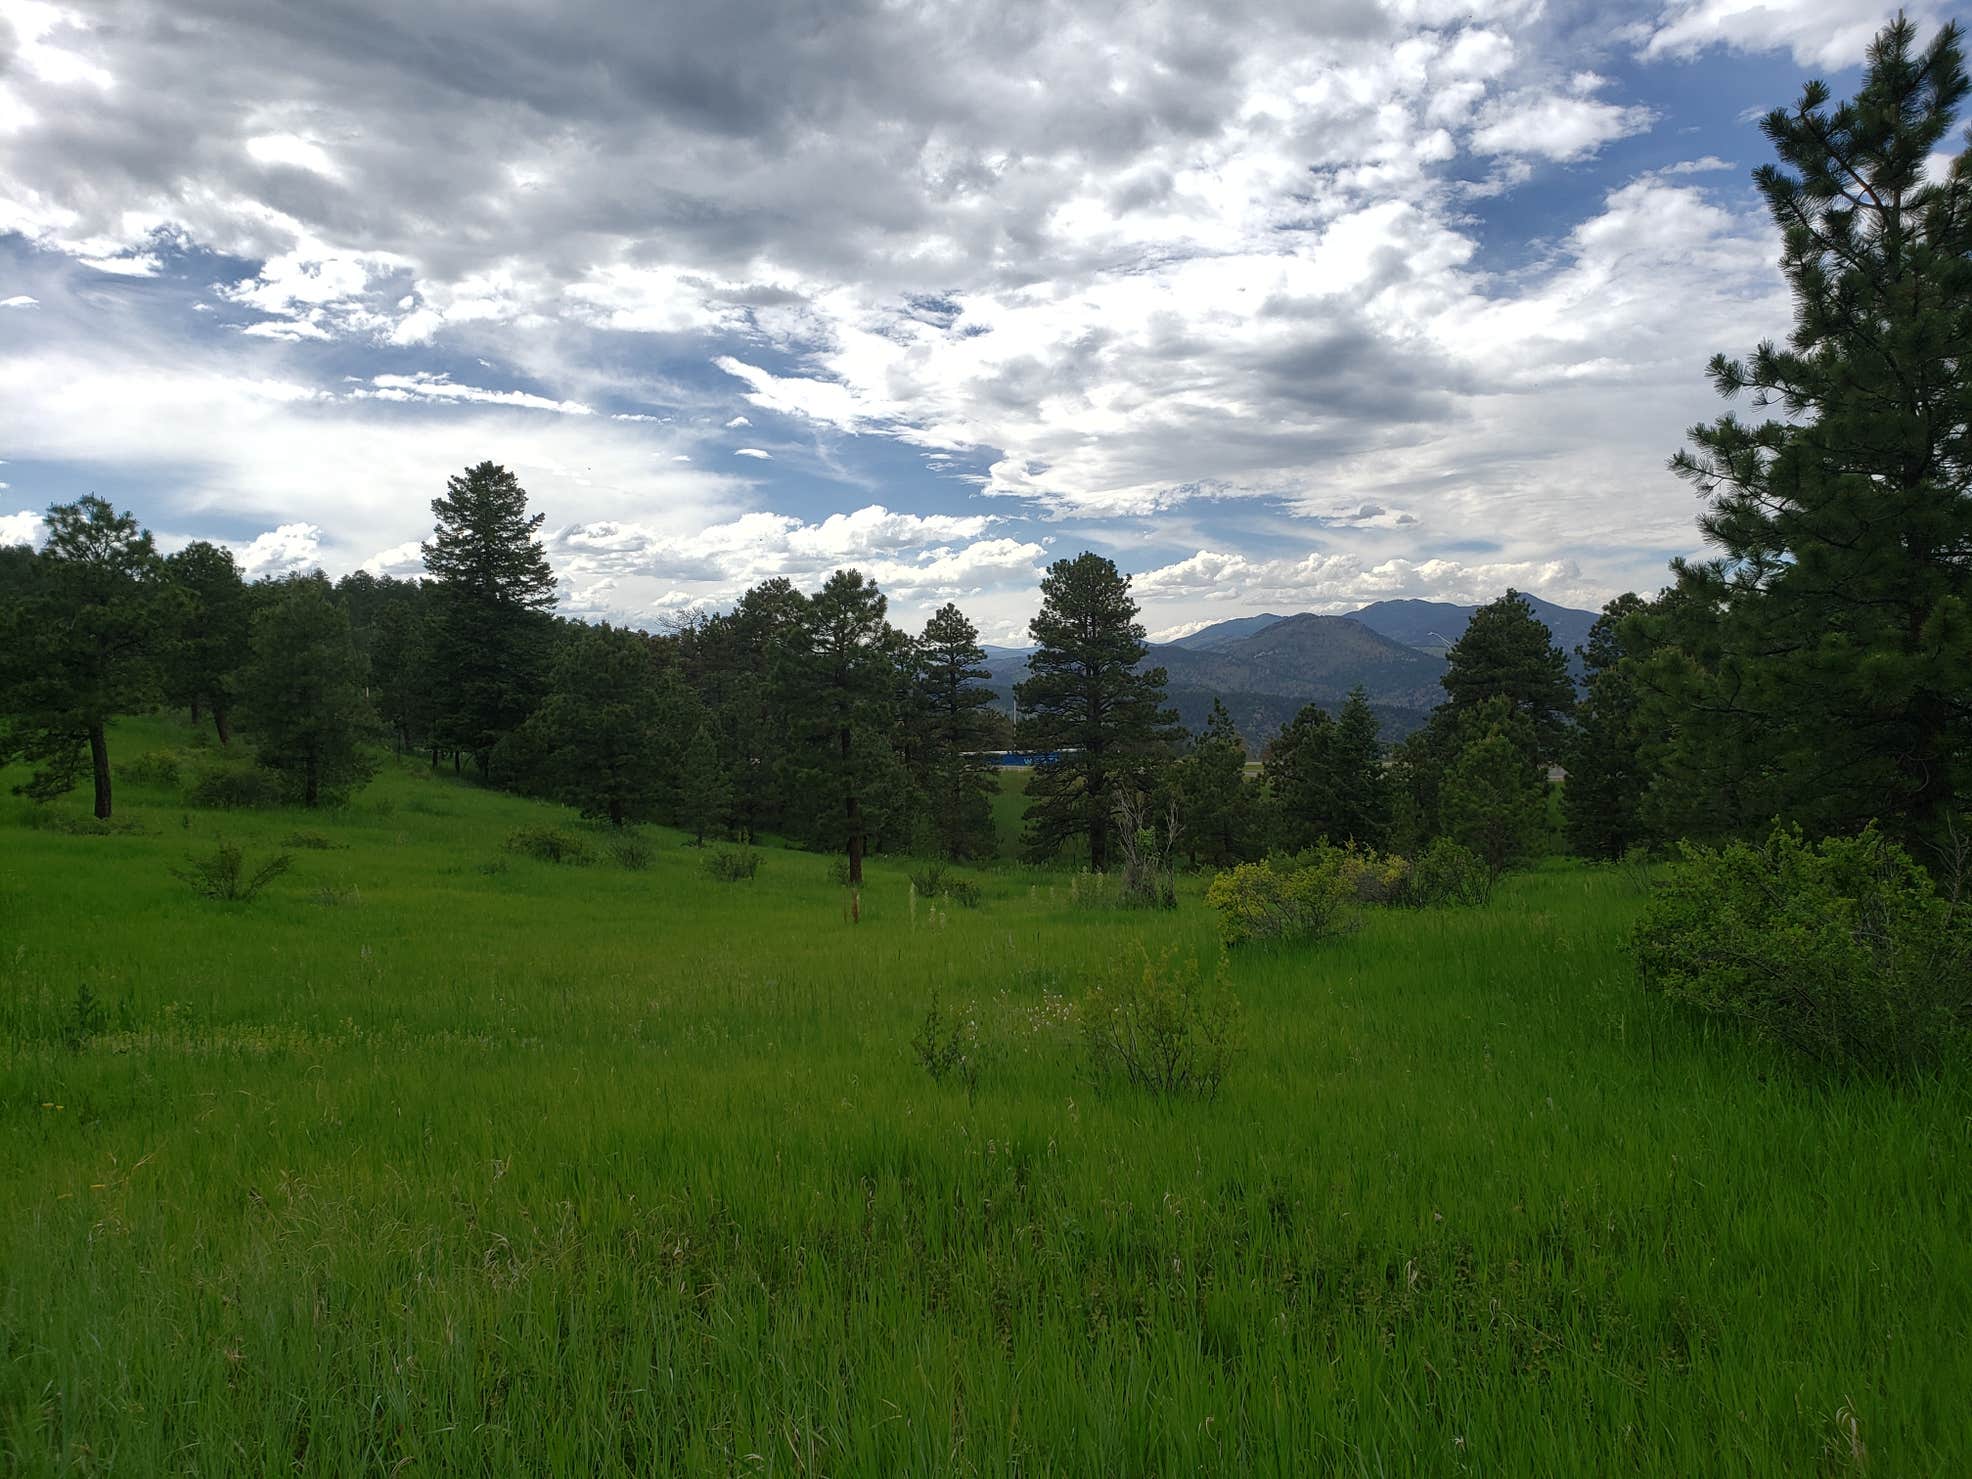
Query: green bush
[[1165, 1029], [731, 864], [47, 819], [235, 787], [630, 851], [937, 880], [312, 841], [225, 877], [1282, 899], [550, 845], [154, 768], [1447, 873], [1842, 950]]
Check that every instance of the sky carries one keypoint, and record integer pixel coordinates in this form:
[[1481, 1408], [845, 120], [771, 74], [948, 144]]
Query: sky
[[1284, 305]]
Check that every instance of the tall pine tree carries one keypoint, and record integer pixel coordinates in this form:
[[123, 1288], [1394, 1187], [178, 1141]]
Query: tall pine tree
[[844, 695], [1603, 796], [953, 703], [1100, 722], [1213, 795], [202, 666], [598, 732], [1842, 683], [301, 692], [492, 591], [83, 643]]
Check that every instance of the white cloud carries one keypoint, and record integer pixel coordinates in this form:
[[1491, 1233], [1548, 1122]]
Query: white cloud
[[283, 551], [20, 300], [425, 385], [1331, 583], [738, 421], [1554, 125], [754, 452], [1819, 33], [20, 528], [293, 151]]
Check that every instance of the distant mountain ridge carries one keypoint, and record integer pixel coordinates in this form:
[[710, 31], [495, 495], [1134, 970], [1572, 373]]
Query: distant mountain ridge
[[1265, 668]]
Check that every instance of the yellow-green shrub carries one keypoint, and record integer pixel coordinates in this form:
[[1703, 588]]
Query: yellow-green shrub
[[1277, 900]]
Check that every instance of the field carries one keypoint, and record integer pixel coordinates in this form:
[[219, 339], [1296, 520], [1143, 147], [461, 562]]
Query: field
[[437, 1159]]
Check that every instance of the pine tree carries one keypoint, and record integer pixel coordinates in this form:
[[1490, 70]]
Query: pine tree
[[301, 692], [703, 794], [491, 638], [1297, 770], [1507, 652], [843, 691], [1495, 801], [1362, 783], [1843, 680], [1101, 723], [1213, 795], [83, 642], [1603, 797], [203, 663], [953, 702], [597, 733]]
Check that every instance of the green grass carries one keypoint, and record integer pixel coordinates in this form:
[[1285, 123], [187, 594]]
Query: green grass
[[440, 1159]]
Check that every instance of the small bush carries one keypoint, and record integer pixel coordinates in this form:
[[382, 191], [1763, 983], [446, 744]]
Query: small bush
[[950, 1047], [1164, 1029], [839, 871], [492, 867], [312, 841], [731, 864], [83, 1019], [44, 819], [550, 845], [1842, 950], [936, 880], [156, 768], [1088, 890], [630, 852], [1447, 873], [336, 895], [1278, 900], [235, 788], [224, 876]]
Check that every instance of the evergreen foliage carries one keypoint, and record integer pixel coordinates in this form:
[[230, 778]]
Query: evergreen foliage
[[1507, 652], [1495, 801], [703, 794], [492, 591], [954, 702], [1213, 794], [1603, 798], [598, 732], [203, 664], [1838, 684], [1102, 723], [301, 693], [81, 642]]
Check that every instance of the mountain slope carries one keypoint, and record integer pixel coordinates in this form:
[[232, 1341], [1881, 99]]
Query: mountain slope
[[1222, 632], [1435, 625]]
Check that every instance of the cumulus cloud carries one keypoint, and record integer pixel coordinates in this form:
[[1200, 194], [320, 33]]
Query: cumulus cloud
[[1156, 276], [290, 549], [1329, 583], [24, 527], [1819, 33]]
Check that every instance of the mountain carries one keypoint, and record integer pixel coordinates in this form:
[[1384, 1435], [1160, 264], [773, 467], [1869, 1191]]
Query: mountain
[[1435, 625], [1222, 632], [1265, 668]]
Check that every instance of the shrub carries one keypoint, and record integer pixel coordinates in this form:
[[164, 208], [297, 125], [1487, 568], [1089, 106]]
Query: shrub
[[312, 841], [45, 819], [630, 852], [1842, 950], [1369, 877], [155, 768], [224, 876], [1446, 873], [950, 1047], [550, 845], [732, 864], [1281, 900], [1163, 1029], [235, 788], [936, 880]]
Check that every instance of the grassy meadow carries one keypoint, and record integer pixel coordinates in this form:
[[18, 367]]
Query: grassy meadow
[[437, 1159]]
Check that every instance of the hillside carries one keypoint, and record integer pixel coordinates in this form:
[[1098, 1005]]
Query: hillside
[[1435, 625], [1221, 633]]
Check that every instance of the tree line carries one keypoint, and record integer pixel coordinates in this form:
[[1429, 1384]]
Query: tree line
[[1817, 669]]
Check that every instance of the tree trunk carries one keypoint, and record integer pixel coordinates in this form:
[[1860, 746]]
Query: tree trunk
[[434, 757], [223, 723], [99, 759], [195, 713], [615, 812], [853, 815], [458, 764], [311, 792]]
